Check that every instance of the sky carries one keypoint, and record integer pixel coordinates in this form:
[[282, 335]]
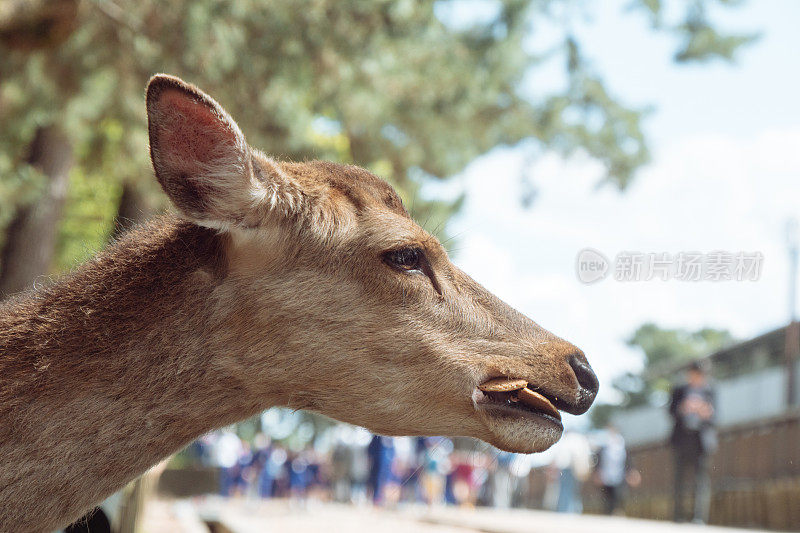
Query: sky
[[725, 175]]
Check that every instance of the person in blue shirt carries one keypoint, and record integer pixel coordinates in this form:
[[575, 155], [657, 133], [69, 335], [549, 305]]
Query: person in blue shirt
[[381, 454]]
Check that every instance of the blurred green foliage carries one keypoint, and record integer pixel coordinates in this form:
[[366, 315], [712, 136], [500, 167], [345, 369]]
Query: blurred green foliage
[[88, 217], [663, 350], [699, 39], [392, 85]]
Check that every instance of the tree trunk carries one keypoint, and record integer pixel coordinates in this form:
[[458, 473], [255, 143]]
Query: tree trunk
[[31, 236], [33, 24], [133, 209]]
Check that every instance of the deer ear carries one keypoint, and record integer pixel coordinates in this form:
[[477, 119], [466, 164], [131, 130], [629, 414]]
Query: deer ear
[[200, 156]]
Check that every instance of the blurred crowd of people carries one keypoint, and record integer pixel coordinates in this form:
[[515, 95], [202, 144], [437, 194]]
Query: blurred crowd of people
[[384, 470], [388, 471]]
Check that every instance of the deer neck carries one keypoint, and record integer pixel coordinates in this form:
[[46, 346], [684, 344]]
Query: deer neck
[[114, 368]]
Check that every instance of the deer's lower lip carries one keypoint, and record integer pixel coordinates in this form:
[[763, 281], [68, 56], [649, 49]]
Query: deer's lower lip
[[516, 412]]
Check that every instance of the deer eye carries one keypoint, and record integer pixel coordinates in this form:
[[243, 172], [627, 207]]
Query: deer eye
[[409, 258]]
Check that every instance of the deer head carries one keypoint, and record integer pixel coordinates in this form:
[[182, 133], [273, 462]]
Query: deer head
[[335, 300]]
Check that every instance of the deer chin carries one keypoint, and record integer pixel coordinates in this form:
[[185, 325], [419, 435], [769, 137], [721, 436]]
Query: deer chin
[[517, 426]]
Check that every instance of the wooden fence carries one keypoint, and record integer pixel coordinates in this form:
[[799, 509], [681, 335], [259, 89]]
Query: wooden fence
[[755, 476]]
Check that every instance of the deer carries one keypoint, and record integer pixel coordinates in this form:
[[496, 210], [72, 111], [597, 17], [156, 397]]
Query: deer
[[274, 283]]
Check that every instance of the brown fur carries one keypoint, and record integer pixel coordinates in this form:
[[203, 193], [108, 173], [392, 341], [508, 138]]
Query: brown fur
[[271, 290]]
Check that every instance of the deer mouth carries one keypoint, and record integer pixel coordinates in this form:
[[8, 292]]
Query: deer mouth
[[511, 396]]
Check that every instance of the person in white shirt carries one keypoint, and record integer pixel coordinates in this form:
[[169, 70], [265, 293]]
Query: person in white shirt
[[572, 463], [613, 470]]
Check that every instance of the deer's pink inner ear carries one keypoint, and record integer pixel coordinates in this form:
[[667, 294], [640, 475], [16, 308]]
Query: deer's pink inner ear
[[190, 132]]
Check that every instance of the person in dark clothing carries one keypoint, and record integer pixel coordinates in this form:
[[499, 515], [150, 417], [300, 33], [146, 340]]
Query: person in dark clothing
[[694, 439]]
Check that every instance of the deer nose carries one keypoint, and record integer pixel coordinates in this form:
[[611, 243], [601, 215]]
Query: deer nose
[[587, 381]]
